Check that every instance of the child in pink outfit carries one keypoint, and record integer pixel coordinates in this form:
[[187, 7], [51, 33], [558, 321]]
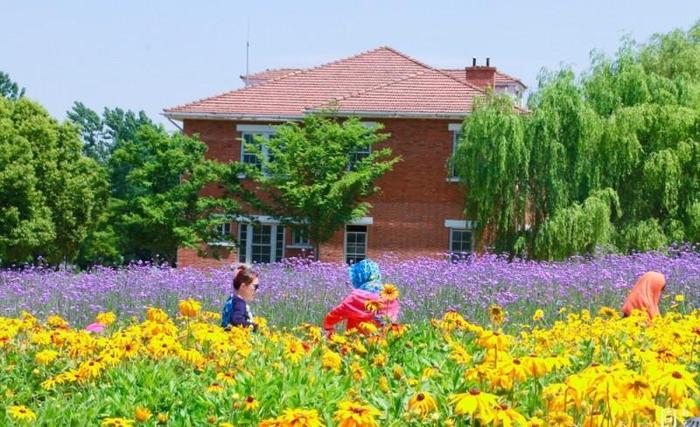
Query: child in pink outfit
[[366, 279]]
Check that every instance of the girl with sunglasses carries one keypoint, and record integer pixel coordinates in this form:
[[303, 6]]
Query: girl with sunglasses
[[236, 311]]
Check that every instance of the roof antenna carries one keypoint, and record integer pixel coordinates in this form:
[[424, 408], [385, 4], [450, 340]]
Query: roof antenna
[[247, 52]]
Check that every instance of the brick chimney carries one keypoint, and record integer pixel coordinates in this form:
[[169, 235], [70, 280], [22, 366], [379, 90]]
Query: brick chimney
[[481, 76]]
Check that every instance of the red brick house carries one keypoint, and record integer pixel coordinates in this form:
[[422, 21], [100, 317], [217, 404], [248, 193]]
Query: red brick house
[[420, 209]]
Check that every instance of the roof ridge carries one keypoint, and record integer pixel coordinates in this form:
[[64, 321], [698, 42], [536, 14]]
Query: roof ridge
[[298, 72], [435, 69]]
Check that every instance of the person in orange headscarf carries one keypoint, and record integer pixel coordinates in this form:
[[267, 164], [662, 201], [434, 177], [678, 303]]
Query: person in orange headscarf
[[646, 294]]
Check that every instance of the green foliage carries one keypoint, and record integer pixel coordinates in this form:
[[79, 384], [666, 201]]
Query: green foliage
[[492, 162], [9, 89], [159, 204], [578, 228], [311, 178], [49, 190], [629, 127], [101, 135]]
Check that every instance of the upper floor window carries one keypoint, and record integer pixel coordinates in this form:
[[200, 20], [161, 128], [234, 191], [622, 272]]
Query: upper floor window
[[358, 155], [248, 139]]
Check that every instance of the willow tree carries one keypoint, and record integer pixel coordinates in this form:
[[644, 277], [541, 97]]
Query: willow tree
[[492, 162]]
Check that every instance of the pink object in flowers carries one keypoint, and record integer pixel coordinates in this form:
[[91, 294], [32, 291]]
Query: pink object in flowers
[[96, 327], [353, 310]]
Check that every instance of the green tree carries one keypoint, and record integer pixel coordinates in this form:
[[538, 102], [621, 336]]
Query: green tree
[[160, 204], [9, 89], [491, 161], [313, 175], [102, 134], [49, 189], [614, 155]]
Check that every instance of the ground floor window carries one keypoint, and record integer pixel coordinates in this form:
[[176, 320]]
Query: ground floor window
[[300, 237], [260, 243], [460, 243], [355, 243]]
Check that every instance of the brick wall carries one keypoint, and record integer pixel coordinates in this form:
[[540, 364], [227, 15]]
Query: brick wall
[[408, 213]]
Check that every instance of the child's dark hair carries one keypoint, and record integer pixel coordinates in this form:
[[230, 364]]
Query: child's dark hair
[[243, 274]]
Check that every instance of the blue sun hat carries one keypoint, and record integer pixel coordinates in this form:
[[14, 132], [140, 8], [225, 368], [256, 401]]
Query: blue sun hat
[[365, 275]]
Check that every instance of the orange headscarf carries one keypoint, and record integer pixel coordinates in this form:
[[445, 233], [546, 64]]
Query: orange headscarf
[[646, 294]]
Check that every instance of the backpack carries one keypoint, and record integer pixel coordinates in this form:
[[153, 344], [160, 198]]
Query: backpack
[[226, 313]]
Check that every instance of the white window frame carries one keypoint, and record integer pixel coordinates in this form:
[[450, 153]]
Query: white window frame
[[249, 240], [353, 154], [299, 243], [345, 241], [455, 130], [222, 233], [453, 253], [254, 130]]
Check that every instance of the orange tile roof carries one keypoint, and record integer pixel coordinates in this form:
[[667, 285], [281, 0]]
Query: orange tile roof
[[382, 81], [502, 79]]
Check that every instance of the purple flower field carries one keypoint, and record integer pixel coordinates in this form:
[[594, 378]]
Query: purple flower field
[[297, 291]]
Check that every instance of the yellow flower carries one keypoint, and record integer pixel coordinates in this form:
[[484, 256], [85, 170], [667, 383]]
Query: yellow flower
[[294, 351], [475, 404], [156, 315], [189, 307], [379, 360], [608, 312], [374, 306], [45, 357], [352, 414], [494, 340], [162, 417], [560, 419], [460, 354], [116, 422], [357, 372], [21, 413], [331, 360], [251, 403], [507, 416], [90, 369], [300, 418], [225, 424], [423, 403], [539, 315], [226, 377], [675, 381], [679, 298], [384, 384], [142, 414], [57, 322], [389, 292], [215, 388], [106, 318], [535, 422], [496, 314]]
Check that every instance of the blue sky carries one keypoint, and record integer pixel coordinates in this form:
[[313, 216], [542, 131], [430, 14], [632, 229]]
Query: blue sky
[[148, 55]]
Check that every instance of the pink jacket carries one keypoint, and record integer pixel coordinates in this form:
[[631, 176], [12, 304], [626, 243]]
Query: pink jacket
[[353, 310]]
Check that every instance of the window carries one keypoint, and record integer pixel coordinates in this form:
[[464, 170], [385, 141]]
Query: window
[[225, 230], [355, 243], [248, 138], [357, 156], [460, 243], [223, 238], [456, 134], [300, 237], [260, 243]]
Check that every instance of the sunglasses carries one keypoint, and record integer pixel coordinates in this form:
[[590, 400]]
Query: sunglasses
[[256, 286]]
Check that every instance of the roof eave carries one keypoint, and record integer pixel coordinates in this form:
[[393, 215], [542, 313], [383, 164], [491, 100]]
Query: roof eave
[[230, 116], [398, 114]]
